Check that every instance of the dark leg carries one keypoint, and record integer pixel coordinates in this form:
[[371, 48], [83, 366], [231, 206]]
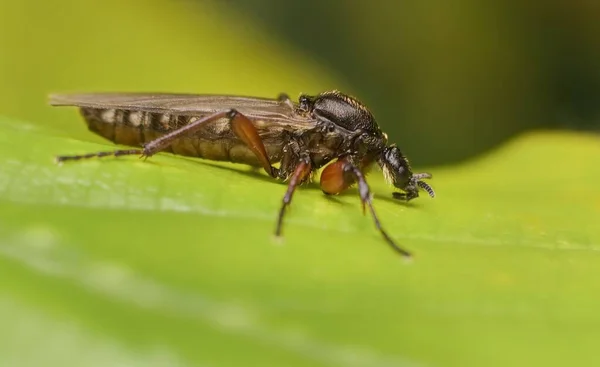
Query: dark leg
[[155, 145], [240, 125], [365, 198], [164, 141], [114, 153], [405, 196], [301, 172]]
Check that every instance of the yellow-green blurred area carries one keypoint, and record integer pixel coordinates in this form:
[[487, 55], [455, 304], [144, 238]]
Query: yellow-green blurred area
[[172, 262], [446, 80]]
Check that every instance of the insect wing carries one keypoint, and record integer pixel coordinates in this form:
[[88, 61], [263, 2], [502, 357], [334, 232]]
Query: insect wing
[[184, 104]]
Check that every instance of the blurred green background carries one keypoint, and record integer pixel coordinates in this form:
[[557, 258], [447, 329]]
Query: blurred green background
[[447, 80], [170, 262]]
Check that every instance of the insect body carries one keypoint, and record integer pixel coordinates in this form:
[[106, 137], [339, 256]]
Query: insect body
[[330, 130]]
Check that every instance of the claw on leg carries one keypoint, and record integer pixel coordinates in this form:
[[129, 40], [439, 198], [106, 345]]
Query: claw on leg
[[341, 175]]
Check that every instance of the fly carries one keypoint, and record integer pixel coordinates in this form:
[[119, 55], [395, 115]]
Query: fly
[[330, 130]]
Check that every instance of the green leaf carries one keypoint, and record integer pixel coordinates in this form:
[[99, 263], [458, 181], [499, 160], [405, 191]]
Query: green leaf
[[171, 261]]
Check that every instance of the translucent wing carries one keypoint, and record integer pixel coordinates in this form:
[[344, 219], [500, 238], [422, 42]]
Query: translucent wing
[[185, 104]]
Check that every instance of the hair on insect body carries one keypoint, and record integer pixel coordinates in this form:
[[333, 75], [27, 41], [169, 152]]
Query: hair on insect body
[[331, 130]]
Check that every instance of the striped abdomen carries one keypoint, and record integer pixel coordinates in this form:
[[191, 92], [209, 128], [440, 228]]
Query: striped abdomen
[[136, 128]]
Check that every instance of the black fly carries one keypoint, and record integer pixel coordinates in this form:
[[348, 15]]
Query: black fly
[[302, 136]]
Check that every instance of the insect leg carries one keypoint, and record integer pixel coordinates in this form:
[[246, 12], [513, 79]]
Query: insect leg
[[342, 174], [245, 130], [164, 141], [114, 153], [155, 145], [301, 172], [334, 179], [240, 125]]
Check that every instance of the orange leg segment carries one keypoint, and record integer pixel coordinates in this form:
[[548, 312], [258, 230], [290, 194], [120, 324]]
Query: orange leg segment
[[245, 130]]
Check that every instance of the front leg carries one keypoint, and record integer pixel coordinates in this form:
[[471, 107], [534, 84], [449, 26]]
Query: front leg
[[405, 196], [342, 174]]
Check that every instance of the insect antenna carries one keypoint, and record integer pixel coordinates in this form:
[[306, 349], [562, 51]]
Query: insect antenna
[[427, 188]]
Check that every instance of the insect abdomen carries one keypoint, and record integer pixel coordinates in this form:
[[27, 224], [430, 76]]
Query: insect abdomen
[[136, 128]]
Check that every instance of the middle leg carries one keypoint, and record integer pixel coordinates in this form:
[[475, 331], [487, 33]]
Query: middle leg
[[301, 173]]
